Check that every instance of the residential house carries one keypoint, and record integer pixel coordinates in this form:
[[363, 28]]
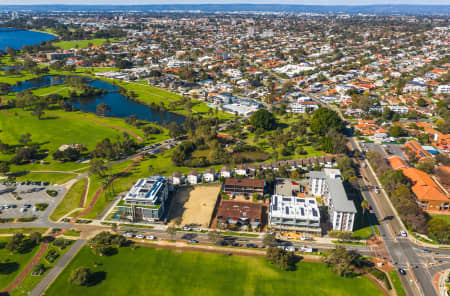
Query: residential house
[[193, 177], [209, 175]]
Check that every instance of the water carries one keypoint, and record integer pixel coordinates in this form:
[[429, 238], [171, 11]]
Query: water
[[18, 38], [120, 106]]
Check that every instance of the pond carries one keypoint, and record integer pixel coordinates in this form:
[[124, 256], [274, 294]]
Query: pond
[[16, 38], [120, 106]]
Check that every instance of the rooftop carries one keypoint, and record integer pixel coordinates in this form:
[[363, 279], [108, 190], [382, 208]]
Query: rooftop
[[294, 207], [146, 189], [423, 186]]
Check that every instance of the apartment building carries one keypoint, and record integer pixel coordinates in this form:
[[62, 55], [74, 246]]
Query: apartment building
[[146, 200], [341, 210]]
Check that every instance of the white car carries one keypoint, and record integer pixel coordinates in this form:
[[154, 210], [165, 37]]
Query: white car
[[150, 237], [186, 228], [198, 229], [403, 233], [290, 249], [306, 238], [128, 234], [306, 249], [140, 236]]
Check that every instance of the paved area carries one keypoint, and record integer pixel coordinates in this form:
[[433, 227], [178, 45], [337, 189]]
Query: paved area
[[24, 195], [53, 273]]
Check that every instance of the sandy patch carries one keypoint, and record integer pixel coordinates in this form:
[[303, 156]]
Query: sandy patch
[[195, 205]]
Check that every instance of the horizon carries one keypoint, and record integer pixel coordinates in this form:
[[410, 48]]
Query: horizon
[[227, 2]]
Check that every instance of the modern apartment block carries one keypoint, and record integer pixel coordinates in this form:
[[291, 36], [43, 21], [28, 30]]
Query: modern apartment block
[[146, 200], [294, 213], [341, 210]]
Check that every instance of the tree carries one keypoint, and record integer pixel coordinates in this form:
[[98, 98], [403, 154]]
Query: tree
[[38, 112], [15, 243], [172, 231], [341, 259], [397, 131], [102, 109], [364, 207], [124, 64], [345, 236], [324, 120], [426, 165], [25, 139], [97, 167], [4, 167], [81, 276], [391, 179], [421, 102], [269, 240], [36, 237], [439, 229], [283, 259], [263, 119]]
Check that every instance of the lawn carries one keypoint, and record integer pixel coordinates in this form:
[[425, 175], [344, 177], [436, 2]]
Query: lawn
[[70, 201], [53, 178], [397, 283], [81, 43], [51, 132], [24, 230], [149, 271], [31, 281], [446, 218], [12, 264]]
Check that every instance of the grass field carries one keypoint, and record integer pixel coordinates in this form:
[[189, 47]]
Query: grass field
[[12, 264], [446, 218], [70, 201], [53, 178], [149, 271], [31, 281], [396, 282], [81, 43], [24, 230]]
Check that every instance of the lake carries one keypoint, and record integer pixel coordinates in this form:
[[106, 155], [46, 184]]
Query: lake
[[18, 38], [120, 106]]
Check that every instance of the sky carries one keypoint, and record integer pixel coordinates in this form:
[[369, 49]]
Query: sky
[[141, 2]]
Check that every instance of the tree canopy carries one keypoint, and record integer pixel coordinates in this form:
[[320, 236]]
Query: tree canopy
[[324, 120], [263, 119]]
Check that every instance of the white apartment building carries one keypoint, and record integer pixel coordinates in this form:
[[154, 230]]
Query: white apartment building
[[341, 210]]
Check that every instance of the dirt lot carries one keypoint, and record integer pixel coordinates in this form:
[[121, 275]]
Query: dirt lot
[[195, 204]]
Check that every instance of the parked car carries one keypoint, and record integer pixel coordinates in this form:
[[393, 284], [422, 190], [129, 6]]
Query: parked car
[[402, 271], [140, 236], [251, 246], [425, 250], [128, 234], [235, 244], [150, 237], [186, 228], [27, 205], [198, 229], [403, 233], [290, 248], [306, 249], [193, 241], [306, 238]]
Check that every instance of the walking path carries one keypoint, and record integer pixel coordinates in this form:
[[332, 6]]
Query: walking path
[[53, 273], [100, 190], [28, 268]]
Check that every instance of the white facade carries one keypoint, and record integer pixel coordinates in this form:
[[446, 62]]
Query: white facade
[[208, 177], [192, 179]]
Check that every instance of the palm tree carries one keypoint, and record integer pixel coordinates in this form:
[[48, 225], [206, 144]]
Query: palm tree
[[364, 206]]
